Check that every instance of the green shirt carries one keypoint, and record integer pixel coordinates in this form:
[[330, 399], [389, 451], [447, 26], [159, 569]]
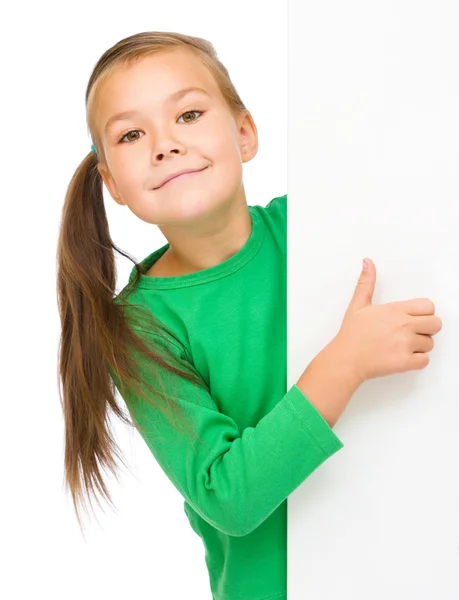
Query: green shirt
[[262, 440]]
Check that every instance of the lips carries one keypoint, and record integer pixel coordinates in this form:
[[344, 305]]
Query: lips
[[184, 172]]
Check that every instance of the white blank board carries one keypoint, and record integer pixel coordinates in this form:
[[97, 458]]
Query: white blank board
[[373, 151]]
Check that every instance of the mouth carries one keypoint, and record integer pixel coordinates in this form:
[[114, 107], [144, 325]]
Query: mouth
[[180, 177]]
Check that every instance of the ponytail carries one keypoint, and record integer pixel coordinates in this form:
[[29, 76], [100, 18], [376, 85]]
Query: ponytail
[[97, 340]]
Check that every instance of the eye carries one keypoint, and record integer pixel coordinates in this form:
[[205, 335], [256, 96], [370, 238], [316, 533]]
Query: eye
[[188, 112]]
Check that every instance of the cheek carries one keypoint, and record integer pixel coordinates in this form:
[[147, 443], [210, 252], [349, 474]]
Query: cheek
[[220, 140], [226, 153], [228, 173], [128, 174]]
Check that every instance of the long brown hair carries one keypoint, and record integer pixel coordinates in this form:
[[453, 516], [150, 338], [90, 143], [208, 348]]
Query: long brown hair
[[98, 343]]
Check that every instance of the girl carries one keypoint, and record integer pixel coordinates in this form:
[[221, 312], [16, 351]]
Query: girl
[[195, 343]]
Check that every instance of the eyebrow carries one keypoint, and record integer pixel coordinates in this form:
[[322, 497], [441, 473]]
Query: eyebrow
[[172, 98]]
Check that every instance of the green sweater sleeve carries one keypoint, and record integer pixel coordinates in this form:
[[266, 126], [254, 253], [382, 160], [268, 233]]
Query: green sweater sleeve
[[237, 478]]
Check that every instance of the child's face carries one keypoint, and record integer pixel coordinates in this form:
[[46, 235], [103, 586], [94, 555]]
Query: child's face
[[164, 140]]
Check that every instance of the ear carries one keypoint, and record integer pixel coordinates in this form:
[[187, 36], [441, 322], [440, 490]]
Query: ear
[[110, 184], [248, 136]]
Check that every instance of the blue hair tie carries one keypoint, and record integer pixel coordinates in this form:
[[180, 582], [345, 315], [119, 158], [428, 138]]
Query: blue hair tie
[[93, 148]]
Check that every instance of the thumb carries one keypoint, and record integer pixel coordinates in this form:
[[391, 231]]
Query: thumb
[[363, 294]]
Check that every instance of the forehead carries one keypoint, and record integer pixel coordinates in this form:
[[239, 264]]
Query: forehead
[[161, 67], [150, 81]]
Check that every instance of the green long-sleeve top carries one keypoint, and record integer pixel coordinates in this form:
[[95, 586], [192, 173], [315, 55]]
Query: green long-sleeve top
[[261, 440]]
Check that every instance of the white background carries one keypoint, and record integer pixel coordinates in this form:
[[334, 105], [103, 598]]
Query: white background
[[48, 50], [374, 172]]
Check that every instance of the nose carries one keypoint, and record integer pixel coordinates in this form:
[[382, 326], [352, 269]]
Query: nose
[[166, 143], [161, 155]]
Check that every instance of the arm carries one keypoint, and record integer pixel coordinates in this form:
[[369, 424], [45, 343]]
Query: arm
[[237, 478], [329, 382]]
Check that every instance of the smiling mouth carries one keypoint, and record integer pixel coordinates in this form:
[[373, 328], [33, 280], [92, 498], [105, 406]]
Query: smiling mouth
[[183, 176]]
